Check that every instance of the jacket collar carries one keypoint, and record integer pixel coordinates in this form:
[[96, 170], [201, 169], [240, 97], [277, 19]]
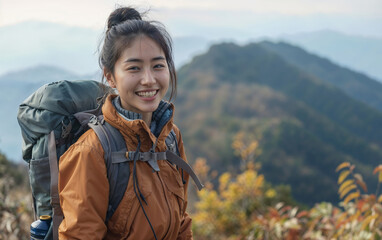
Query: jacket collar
[[159, 118], [131, 124]]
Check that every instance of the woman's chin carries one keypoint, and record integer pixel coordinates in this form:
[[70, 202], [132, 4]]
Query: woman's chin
[[148, 108]]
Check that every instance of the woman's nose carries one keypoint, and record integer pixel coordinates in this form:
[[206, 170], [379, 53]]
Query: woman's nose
[[148, 78]]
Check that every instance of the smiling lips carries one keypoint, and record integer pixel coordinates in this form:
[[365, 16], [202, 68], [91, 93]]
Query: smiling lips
[[147, 94]]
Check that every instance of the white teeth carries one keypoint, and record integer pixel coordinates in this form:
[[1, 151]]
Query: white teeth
[[147, 94]]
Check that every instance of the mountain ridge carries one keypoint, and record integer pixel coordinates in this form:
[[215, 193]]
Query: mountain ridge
[[356, 85], [361, 53], [327, 124]]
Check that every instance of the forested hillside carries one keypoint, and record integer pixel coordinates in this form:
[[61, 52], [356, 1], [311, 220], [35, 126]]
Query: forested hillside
[[307, 125]]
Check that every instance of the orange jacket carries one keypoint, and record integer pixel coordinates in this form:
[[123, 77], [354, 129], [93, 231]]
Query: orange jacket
[[84, 188]]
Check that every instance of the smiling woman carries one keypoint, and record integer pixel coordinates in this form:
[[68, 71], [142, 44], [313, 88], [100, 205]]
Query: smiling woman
[[141, 77], [136, 59]]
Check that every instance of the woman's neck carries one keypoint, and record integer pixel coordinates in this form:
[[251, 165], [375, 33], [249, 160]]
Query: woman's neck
[[146, 117]]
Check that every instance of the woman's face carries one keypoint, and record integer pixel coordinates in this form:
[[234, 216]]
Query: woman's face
[[141, 76]]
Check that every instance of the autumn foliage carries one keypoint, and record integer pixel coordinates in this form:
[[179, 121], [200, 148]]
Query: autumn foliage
[[15, 202], [245, 206]]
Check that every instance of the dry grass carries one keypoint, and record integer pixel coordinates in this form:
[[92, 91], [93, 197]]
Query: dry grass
[[16, 213]]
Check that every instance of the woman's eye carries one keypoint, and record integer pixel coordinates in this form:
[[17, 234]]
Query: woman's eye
[[159, 66], [133, 68]]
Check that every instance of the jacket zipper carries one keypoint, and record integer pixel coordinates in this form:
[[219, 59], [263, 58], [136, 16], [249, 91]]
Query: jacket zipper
[[168, 205]]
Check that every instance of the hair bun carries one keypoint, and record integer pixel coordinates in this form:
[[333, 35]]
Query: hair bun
[[120, 15]]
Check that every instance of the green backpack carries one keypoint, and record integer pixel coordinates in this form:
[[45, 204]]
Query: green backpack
[[52, 119]]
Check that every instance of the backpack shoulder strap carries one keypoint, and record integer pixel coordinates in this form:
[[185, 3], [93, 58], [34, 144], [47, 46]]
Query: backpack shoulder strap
[[55, 200], [175, 159], [117, 163], [172, 142], [118, 174]]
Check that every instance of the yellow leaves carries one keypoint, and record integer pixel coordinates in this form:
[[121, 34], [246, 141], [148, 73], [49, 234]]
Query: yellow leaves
[[246, 146], [223, 181], [248, 185], [232, 193], [209, 199], [201, 168], [239, 207], [342, 165], [355, 216], [338, 233], [247, 177], [351, 196], [270, 193], [342, 176], [250, 181], [341, 219], [230, 209], [347, 190], [200, 217], [345, 184], [358, 218], [250, 149], [238, 143], [368, 220]]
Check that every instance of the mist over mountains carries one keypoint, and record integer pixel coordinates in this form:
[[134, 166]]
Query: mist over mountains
[[41, 43], [360, 53], [75, 49], [356, 85]]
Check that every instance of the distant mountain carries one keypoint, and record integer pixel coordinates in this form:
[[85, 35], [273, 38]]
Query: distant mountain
[[185, 48], [307, 125], [29, 44], [76, 48], [356, 85], [361, 53]]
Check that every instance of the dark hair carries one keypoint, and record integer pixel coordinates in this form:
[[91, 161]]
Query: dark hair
[[123, 26]]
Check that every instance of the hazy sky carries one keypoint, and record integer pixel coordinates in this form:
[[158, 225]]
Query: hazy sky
[[213, 18]]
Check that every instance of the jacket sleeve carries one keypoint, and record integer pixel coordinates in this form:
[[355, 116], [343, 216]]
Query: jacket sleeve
[[84, 190], [185, 232]]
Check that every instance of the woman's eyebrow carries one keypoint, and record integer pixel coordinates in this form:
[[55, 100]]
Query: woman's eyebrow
[[158, 58], [140, 60], [133, 60]]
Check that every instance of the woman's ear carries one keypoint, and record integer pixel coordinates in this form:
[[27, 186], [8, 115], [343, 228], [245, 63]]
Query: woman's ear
[[109, 78]]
